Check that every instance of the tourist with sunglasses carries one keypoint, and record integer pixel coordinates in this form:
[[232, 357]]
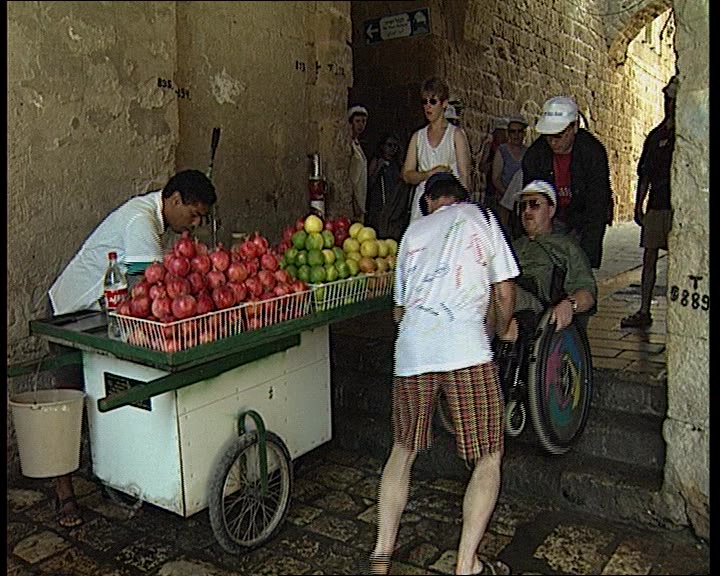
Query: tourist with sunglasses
[[554, 270], [575, 162], [438, 147]]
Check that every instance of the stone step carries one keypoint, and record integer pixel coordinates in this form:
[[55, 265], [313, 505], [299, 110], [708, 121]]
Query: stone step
[[574, 480], [625, 391]]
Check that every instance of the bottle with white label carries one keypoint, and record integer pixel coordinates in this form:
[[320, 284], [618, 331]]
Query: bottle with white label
[[115, 289]]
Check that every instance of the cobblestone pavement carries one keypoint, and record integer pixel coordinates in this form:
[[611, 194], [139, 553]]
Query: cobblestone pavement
[[329, 530]]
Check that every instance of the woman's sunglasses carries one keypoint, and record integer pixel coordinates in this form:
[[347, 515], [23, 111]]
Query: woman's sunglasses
[[431, 101]]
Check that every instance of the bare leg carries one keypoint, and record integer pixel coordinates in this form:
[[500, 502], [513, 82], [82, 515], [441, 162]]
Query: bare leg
[[68, 512], [394, 488], [649, 274], [478, 505]]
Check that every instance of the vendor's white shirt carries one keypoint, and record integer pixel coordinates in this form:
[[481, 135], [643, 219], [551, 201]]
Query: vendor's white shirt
[[133, 230], [446, 264]]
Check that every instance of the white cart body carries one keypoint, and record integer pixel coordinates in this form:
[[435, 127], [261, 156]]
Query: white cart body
[[166, 451]]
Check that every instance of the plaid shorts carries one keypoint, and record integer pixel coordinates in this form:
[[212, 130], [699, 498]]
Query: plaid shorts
[[474, 400]]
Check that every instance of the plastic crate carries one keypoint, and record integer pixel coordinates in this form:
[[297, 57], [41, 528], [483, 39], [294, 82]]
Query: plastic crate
[[380, 284], [184, 334], [181, 334], [338, 293], [257, 315]]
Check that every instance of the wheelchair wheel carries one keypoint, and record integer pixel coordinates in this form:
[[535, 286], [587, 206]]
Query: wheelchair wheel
[[559, 385], [515, 418], [242, 518]]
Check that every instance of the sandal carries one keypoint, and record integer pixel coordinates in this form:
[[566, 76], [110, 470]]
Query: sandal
[[67, 512], [637, 320], [493, 567], [379, 564]]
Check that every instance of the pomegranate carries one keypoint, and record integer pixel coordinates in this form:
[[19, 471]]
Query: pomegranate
[[300, 223], [200, 248], [123, 308], [261, 243], [142, 288], [298, 286], [166, 259], [176, 286], [185, 246], [283, 276], [330, 225], [161, 307], [267, 278], [269, 262], [197, 281], [205, 303], [220, 258], [342, 222], [287, 234], [179, 265], [281, 289], [215, 278], [253, 266], [254, 285], [201, 263], [237, 272], [157, 291], [184, 306], [140, 306], [240, 290], [224, 297], [248, 250], [154, 273]]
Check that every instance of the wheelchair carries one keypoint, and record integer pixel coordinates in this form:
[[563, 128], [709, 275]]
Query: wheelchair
[[545, 373]]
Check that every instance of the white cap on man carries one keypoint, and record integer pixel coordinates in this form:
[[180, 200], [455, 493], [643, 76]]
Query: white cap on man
[[557, 113], [539, 187], [357, 109]]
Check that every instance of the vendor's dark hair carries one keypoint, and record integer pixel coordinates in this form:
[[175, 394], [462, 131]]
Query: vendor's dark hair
[[436, 87], [194, 188], [445, 184]]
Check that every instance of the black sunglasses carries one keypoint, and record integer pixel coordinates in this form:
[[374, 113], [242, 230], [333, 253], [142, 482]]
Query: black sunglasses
[[534, 204], [432, 101]]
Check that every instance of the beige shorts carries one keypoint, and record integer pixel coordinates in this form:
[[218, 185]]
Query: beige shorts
[[655, 229]]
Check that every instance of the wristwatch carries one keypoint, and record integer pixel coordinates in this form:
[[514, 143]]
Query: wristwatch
[[573, 303]]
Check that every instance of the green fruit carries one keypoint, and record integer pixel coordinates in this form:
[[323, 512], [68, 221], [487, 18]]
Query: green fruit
[[314, 241], [331, 272], [329, 256], [319, 295], [292, 270], [298, 239], [339, 253], [353, 267], [342, 269], [328, 239], [315, 258], [290, 255], [302, 258], [303, 273], [318, 274], [282, 262]]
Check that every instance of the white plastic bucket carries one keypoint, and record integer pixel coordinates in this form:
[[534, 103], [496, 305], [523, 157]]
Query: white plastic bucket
[[48, 426]]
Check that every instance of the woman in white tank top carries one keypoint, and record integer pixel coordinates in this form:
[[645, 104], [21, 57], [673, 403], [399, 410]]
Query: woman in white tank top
[[438, 147]]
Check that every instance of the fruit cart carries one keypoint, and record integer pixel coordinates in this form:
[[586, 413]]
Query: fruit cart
[[215, 424]]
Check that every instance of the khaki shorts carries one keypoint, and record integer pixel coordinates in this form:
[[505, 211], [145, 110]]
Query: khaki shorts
[[655, 229], [474, 400]]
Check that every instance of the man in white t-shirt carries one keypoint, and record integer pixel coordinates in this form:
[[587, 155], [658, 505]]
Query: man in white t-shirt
[[134, 232], [449, 265]]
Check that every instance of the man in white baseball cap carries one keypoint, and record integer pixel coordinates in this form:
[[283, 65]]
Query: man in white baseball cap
[[575, 162]]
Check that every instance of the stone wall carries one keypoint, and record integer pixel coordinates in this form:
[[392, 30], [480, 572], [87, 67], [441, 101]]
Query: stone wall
[[687, 427], [501, 58]]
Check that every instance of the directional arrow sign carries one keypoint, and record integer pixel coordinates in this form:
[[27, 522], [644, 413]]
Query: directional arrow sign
[[402, 25]]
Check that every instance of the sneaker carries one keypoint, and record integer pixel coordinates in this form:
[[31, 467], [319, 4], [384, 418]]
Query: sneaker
[[637, 320]]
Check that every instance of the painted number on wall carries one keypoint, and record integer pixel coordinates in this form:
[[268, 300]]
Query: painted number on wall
[[335, 69], [691, 298], [168, 85]]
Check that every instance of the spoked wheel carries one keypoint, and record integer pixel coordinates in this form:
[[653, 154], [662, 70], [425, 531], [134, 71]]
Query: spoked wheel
[[515, 418], [559, 385], [241, 515]]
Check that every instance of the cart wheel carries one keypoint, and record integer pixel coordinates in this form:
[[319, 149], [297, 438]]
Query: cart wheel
[[242, 518]]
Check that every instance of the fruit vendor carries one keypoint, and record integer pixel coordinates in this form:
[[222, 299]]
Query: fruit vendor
[[134, 232]]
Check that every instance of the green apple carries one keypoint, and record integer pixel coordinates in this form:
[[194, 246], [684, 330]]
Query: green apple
[[328, 239], [329, 256], [342, 269], [331, 273], [339, 253], [353, 266]]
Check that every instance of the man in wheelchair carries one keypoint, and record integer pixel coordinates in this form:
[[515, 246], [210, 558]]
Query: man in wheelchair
[[555, 272]]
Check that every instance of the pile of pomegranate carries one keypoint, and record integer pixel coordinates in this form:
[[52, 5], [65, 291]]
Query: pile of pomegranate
[[193, 280]]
